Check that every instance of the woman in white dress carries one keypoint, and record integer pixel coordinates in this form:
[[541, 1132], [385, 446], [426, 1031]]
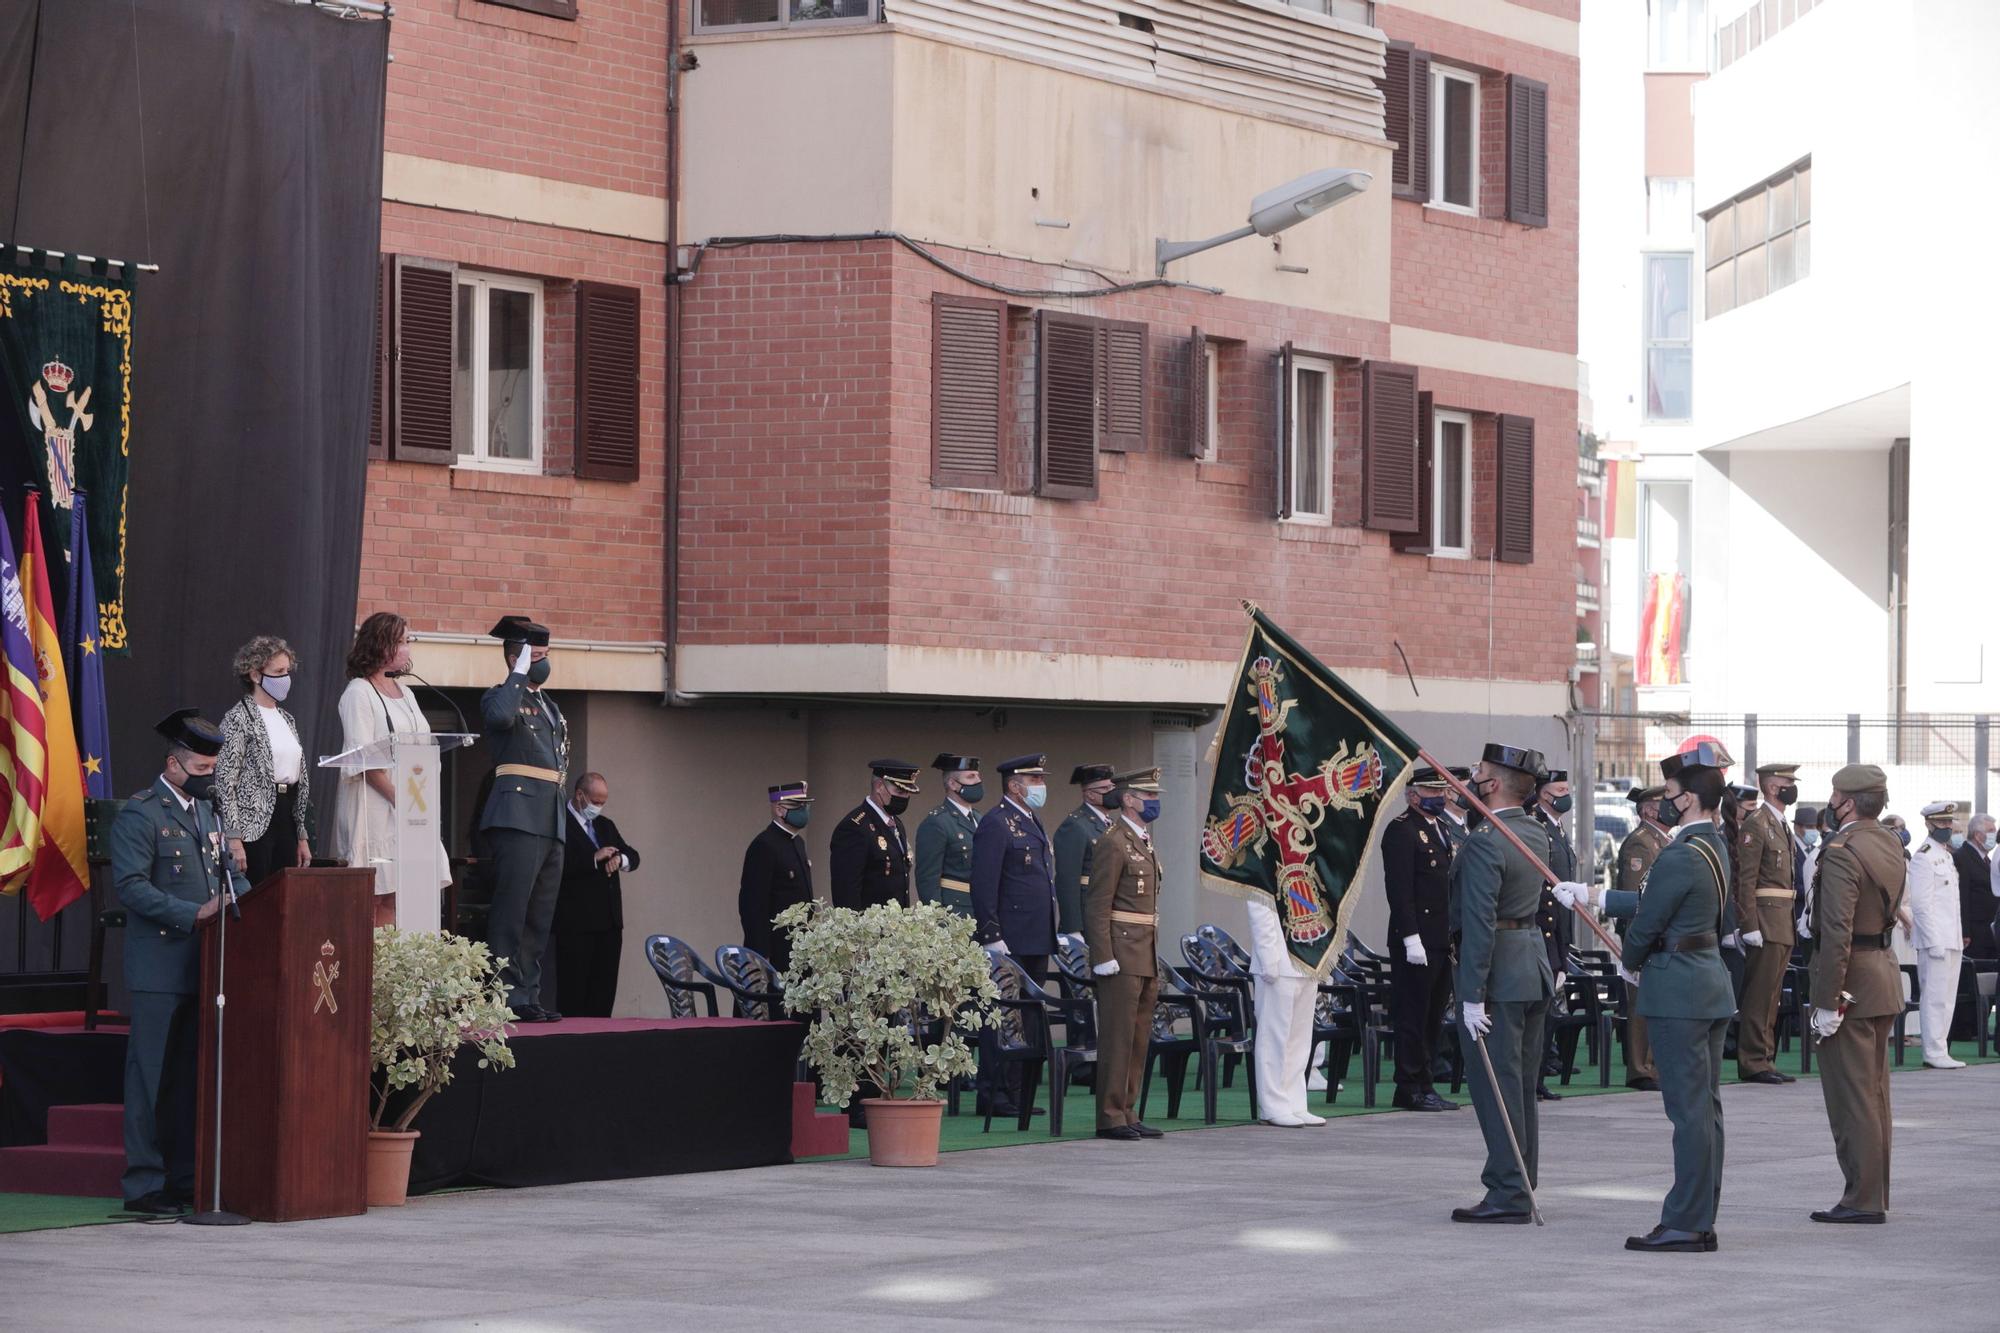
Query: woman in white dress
[[375, 705]]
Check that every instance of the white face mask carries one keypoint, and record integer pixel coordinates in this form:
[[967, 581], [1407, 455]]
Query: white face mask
[[589, 811], [277, 687], [1036, 796]]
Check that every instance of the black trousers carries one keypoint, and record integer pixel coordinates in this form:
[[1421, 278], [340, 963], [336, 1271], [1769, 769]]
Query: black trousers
[[587, 971], [1418, 998], [278, 848]]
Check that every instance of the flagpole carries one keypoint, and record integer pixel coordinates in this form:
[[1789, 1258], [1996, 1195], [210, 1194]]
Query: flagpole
[[1540, 866]]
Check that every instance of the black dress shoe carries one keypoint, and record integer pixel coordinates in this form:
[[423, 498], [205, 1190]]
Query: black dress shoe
[[1123, 1133], [1710, 1242], [1439, 1103], [1542, 1094], [1643, 1084], [1146, 1131], [1783, 1075], [1664, 1240], [546, 1015], [1842, 1213], [156, 1204], [1770, 1076], [1486, 1212], [1418, 1102]]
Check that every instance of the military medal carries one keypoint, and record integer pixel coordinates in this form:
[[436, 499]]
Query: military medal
[[881, 842]]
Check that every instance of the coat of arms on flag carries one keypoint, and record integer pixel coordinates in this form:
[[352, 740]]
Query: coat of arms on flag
[[1304, 770]]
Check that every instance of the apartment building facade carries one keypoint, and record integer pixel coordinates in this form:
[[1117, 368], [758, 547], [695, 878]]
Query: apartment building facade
[[887, 440]]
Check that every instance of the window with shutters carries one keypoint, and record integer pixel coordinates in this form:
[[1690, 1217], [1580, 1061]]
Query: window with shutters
[[968, 392], [1391, 458], [607, 382], [1527, 103], [555, 9], [1211, 400], [1310, 460], [496, 383], [1450, 499], [1092, 381], [1454, 147], [1514, 491]]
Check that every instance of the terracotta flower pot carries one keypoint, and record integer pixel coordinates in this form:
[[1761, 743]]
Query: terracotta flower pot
[[389, 1167], [903, 1132]]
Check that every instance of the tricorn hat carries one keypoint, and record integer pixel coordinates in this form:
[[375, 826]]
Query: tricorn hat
[[187, 728], [1515, 757], [520, 629], [1085, 774], [1706, 754], [955, 763]]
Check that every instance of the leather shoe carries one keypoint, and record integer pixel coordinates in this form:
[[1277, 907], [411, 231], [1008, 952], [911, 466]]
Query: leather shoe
[[1665, 1240], [1643, 1084], [1146, 1131], [1486, 1212], [156, 1204], [1124, 1133], [1783, 1075], [1442, 1103], [1770, 1076], [1710, 1241], [1842, 1213], [1543, 1094], [1423, 1101]]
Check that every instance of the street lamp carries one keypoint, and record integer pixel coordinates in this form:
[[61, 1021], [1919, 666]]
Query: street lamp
[[1273, 211]]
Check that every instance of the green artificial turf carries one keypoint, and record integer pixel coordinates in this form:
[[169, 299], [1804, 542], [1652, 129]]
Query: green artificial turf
[[50, 1212]]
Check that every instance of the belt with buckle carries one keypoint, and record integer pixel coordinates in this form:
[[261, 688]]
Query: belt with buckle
[[284, 787], [1505, 924], [955, 885], [1881, 941], [527, 771], [1687, 943], [1137, 918], [1776, 893]]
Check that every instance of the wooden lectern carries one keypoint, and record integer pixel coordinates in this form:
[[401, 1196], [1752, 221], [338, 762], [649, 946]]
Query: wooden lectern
[[297, 982]]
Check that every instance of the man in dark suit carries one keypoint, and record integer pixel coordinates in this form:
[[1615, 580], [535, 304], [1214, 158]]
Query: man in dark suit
[[1014, 888], [1974, 859], [869, 850], [777, 873], [590, 907], [1416, 873]]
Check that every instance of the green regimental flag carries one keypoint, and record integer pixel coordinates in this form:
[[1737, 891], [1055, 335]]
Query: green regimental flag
[[1305, 769], [65, 371]]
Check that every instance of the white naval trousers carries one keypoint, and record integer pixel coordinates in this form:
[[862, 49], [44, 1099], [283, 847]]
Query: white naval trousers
[[1284, 998], [1937, 983]]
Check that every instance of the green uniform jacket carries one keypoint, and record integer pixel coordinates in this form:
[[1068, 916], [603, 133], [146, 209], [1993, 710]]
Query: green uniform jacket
[[1073, 839], [524, 726], [1683, 896], [1491, 881], [162, 871], [944, 858]]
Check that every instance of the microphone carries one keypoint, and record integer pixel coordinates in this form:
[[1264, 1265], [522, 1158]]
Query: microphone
[[398, 675]]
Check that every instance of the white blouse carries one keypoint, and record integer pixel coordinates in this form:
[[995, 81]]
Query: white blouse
[[287, 759]]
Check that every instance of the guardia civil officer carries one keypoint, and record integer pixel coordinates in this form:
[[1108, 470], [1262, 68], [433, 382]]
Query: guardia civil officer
[[1073, 838], [1635, 861], [869, 856], [1416, 875], [1674, 940], [944, 839], [164, 866], [1766, 898], [523, 818], [1121, 921], [1504, 979], [1014, 894], [1857, 989], [777, 872], [1552, 801]]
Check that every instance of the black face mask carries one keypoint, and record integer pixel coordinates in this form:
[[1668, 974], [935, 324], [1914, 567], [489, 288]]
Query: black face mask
[[896, 805], [1112, 801], [1670, 814], [199, 786], [1788, 794]]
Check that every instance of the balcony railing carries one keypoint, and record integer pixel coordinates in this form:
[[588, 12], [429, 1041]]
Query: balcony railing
[[1586, 597], [1588, 532]]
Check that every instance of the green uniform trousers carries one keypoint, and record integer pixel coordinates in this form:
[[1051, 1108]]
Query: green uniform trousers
[[1689, 1054], [527, 873], [160, 1093], [1515, 1047], [1854, 1080]]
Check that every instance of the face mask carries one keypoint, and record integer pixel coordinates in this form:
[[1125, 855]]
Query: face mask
[[897, 805], [1431, 805], [1670, 814], [1903, 836], [538, 672], [1037, 796], [1810, 837], [1989, 842], [972, 793], [799, 816], [1112, 801], [1957, 841], [277, 687], [1150, 810], [200, 786], [1561, 804], [589, 811], [1788, 794]]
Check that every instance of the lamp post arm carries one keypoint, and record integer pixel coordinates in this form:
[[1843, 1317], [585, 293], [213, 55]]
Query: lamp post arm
[[1166, 252]]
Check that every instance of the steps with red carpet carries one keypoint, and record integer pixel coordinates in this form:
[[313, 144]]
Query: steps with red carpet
[[815, 1133], [85, 1155]]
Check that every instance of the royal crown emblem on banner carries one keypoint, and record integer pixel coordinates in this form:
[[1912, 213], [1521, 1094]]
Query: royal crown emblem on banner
[[58, 376]]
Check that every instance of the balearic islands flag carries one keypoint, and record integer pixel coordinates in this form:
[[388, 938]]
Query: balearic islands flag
[[1305, 769]]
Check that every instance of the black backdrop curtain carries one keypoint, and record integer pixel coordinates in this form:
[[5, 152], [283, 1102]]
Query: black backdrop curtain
[[238, 145]]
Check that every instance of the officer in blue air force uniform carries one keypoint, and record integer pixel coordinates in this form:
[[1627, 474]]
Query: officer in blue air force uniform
[[944, 839], [523, 818], [1013, 870], [163, 865]]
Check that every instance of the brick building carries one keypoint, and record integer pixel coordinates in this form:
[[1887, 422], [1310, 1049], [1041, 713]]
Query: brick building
[[927, 459]]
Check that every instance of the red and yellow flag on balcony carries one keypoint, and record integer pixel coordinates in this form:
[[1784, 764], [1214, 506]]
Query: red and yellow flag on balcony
[[1663, 631]]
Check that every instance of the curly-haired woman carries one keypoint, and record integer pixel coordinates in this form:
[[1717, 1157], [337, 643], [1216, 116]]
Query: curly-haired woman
[[261, 779]]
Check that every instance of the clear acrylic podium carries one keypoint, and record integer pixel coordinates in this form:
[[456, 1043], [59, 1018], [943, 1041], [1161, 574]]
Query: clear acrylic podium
[[403, 848]]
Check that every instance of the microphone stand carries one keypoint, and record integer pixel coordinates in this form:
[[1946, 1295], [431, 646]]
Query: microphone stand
[[215, 1215], [411, 675]]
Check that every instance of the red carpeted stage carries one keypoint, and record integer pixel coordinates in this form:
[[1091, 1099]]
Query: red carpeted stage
[[588, 1099]]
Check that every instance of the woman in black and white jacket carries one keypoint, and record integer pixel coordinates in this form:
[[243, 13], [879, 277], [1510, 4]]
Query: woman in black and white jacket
[[261, 779]]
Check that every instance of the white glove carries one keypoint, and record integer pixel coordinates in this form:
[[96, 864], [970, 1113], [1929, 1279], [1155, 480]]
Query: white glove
[[1733, 941], [1476, 1019], [1805, 931], [1000, 947], [1938, 952], [1629, 979], [1109, 969], [1572, 895], [521, 662], [1562, 982], [1753, 939], [1413, 951], [1825, 1022]]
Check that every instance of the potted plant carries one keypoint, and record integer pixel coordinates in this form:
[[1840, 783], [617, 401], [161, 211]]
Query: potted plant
[[861, 974], [434, 992]]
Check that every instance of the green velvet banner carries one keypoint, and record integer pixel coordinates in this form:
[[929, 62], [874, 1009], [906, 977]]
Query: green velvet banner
[[65, 369], [1305, 768]]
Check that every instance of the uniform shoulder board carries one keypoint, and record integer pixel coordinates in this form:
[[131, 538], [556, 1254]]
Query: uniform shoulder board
[[147, 795], [859, 816]]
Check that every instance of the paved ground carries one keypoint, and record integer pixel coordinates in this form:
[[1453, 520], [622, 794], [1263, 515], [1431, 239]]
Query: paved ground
[[1252, 1227]]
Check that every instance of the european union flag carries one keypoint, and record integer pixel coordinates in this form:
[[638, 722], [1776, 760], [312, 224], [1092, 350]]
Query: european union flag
[[93, 724]]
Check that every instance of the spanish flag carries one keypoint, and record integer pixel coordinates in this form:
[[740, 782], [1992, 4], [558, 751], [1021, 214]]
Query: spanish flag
[[61, 871]]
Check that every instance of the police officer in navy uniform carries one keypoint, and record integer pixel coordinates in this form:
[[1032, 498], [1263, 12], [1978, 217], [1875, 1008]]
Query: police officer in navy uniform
[[777, 873], [1014, 890], [870, 853], [523, 819], [165, 847], [1416, 874], [1074, 838], [944, 839]]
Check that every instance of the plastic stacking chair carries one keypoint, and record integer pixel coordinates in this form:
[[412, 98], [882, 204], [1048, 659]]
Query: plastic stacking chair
[[1170, 1048], [1337, 1023], [1910, 1006], [1234, 956], [1023, 1038], [1077, 985], [681, 974], [1357, 949], [1976, 994], [752, 983], [1589, 1011], [1205, 961], [1222, 1028]]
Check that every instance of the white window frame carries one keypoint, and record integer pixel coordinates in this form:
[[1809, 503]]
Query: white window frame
[[785, 20], [1646, 340], [1212, 409], [477, 337], [1302, 365], [1440, 74], [1657, 190], [1695, 58], [1436, 499]]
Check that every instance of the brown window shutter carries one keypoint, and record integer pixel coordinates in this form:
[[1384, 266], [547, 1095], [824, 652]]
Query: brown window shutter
[[968, 378], [1396, 116], [1066, 405], [1514, 492], [607, 382], [1423, 540], [1282, 502], [1389, 463], [421, 360], [1121, 383], [1527, 151], [1197, 396], [378, 410], [1420, 126]]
